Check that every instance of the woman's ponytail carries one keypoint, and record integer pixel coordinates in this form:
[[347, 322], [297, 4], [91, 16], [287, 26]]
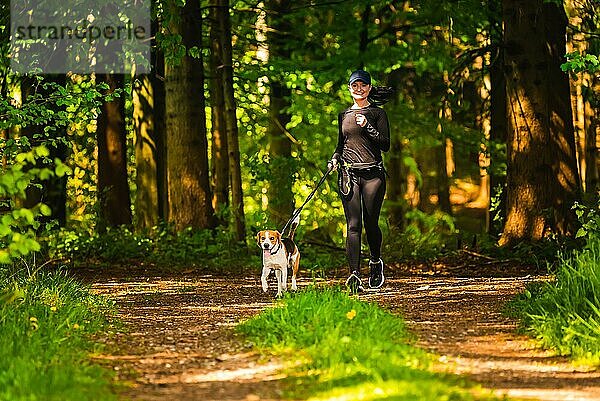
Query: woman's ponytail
[[380, 95]]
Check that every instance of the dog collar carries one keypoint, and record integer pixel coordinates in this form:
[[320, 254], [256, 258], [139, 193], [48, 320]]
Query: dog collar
[[278, 247]]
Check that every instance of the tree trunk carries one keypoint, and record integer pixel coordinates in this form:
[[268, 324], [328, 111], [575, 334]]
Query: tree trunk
[[219, 148], [149, 130], [187, 148], [584, 113], [160, 123], [113, 189], [498, 121], [542, 179], [235, 170], [443, 157], [592, 138], [281, 201]]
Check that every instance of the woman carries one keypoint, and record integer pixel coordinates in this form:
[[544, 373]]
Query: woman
[[363, 135]]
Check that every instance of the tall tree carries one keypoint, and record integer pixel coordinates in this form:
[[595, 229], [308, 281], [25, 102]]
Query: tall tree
[[149, 130], [113, 189], [219, 146], [280, 196], [583, 87], [233, 146], [542, 179], [187, 146]]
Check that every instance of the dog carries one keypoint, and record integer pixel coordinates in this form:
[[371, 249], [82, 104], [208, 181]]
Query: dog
[[279, 254]]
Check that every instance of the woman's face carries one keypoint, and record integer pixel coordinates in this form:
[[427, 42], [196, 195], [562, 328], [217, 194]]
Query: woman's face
[[359, 90]]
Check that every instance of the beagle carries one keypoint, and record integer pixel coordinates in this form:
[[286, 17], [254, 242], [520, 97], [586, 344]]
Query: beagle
[[279, 254]]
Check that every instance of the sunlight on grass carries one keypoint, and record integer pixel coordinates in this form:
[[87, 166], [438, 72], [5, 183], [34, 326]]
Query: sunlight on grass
[[352, 350], [46, 321], [565, 315]]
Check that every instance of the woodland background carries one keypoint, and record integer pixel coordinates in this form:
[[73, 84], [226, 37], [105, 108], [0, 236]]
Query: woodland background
[[494, 128]]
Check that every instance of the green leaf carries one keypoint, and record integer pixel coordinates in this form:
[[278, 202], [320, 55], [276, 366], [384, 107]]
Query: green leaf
[[45, 210], [62, 169], [5, 257]]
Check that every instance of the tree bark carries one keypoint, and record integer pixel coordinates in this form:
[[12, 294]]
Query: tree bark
[[149, 131], [235, 169], [542, 179], [219, 148], [146, 196], [582, 85], [592, 139], [113, 188], [187, 147]]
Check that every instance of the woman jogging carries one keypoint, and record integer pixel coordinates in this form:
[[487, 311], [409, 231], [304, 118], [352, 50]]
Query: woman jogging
[[363, 135]]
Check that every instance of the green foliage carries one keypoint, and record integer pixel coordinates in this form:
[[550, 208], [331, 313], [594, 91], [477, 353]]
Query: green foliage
[[19, 224], [578, 62], [423, 238], [46, 321], [345, 348], [564, 315], [589, 217], [161, 246]]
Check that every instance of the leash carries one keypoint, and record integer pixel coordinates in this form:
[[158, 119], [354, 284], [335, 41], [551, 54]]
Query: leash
[[308, 198]]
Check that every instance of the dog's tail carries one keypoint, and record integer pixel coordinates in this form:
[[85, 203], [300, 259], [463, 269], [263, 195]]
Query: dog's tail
[[294, 225]]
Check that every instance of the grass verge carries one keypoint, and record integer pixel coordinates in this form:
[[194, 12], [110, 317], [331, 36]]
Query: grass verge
[[564, 315], [46, 321], [345, 349]]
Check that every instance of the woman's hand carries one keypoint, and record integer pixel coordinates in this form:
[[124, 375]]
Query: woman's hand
[[332, 164], [361, 120]]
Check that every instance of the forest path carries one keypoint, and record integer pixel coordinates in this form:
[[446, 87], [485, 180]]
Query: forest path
[[178, 343]]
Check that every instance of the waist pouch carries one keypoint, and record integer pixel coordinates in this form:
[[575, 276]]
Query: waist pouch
[[347, 171]]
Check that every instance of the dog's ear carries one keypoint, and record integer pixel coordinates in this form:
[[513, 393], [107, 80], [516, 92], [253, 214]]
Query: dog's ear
[[258, 235], [278, 235]]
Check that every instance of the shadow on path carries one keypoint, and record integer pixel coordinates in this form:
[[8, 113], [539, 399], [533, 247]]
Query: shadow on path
[[178, 343]]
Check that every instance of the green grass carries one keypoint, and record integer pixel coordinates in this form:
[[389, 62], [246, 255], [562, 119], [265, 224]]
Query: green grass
[[564, 315], [346, 349], [46, 321]]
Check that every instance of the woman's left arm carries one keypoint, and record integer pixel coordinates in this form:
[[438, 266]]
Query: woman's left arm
[[379, 131]]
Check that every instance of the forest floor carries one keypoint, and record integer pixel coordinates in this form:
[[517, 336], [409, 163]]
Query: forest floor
[[178, 341]]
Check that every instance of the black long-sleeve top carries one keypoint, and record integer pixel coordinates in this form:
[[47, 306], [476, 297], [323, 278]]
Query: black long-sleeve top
[[358, 144]]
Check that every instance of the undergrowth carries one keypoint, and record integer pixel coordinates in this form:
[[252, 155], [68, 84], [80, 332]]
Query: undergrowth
[[343, 348], [46, 320], [161, 246], [564, 315]]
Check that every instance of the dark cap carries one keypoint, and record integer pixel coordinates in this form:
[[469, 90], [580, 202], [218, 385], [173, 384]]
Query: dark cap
[[360, 75]]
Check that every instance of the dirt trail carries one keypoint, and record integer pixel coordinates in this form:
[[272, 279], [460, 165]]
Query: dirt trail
[[179, 345]]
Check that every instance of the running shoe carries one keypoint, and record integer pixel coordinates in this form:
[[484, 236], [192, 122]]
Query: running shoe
[[354, 284], [376, 277]]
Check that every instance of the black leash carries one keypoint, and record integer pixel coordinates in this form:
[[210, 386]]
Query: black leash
[[308, 198]]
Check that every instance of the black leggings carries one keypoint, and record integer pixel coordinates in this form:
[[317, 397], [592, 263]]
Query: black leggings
[[364, 200]]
